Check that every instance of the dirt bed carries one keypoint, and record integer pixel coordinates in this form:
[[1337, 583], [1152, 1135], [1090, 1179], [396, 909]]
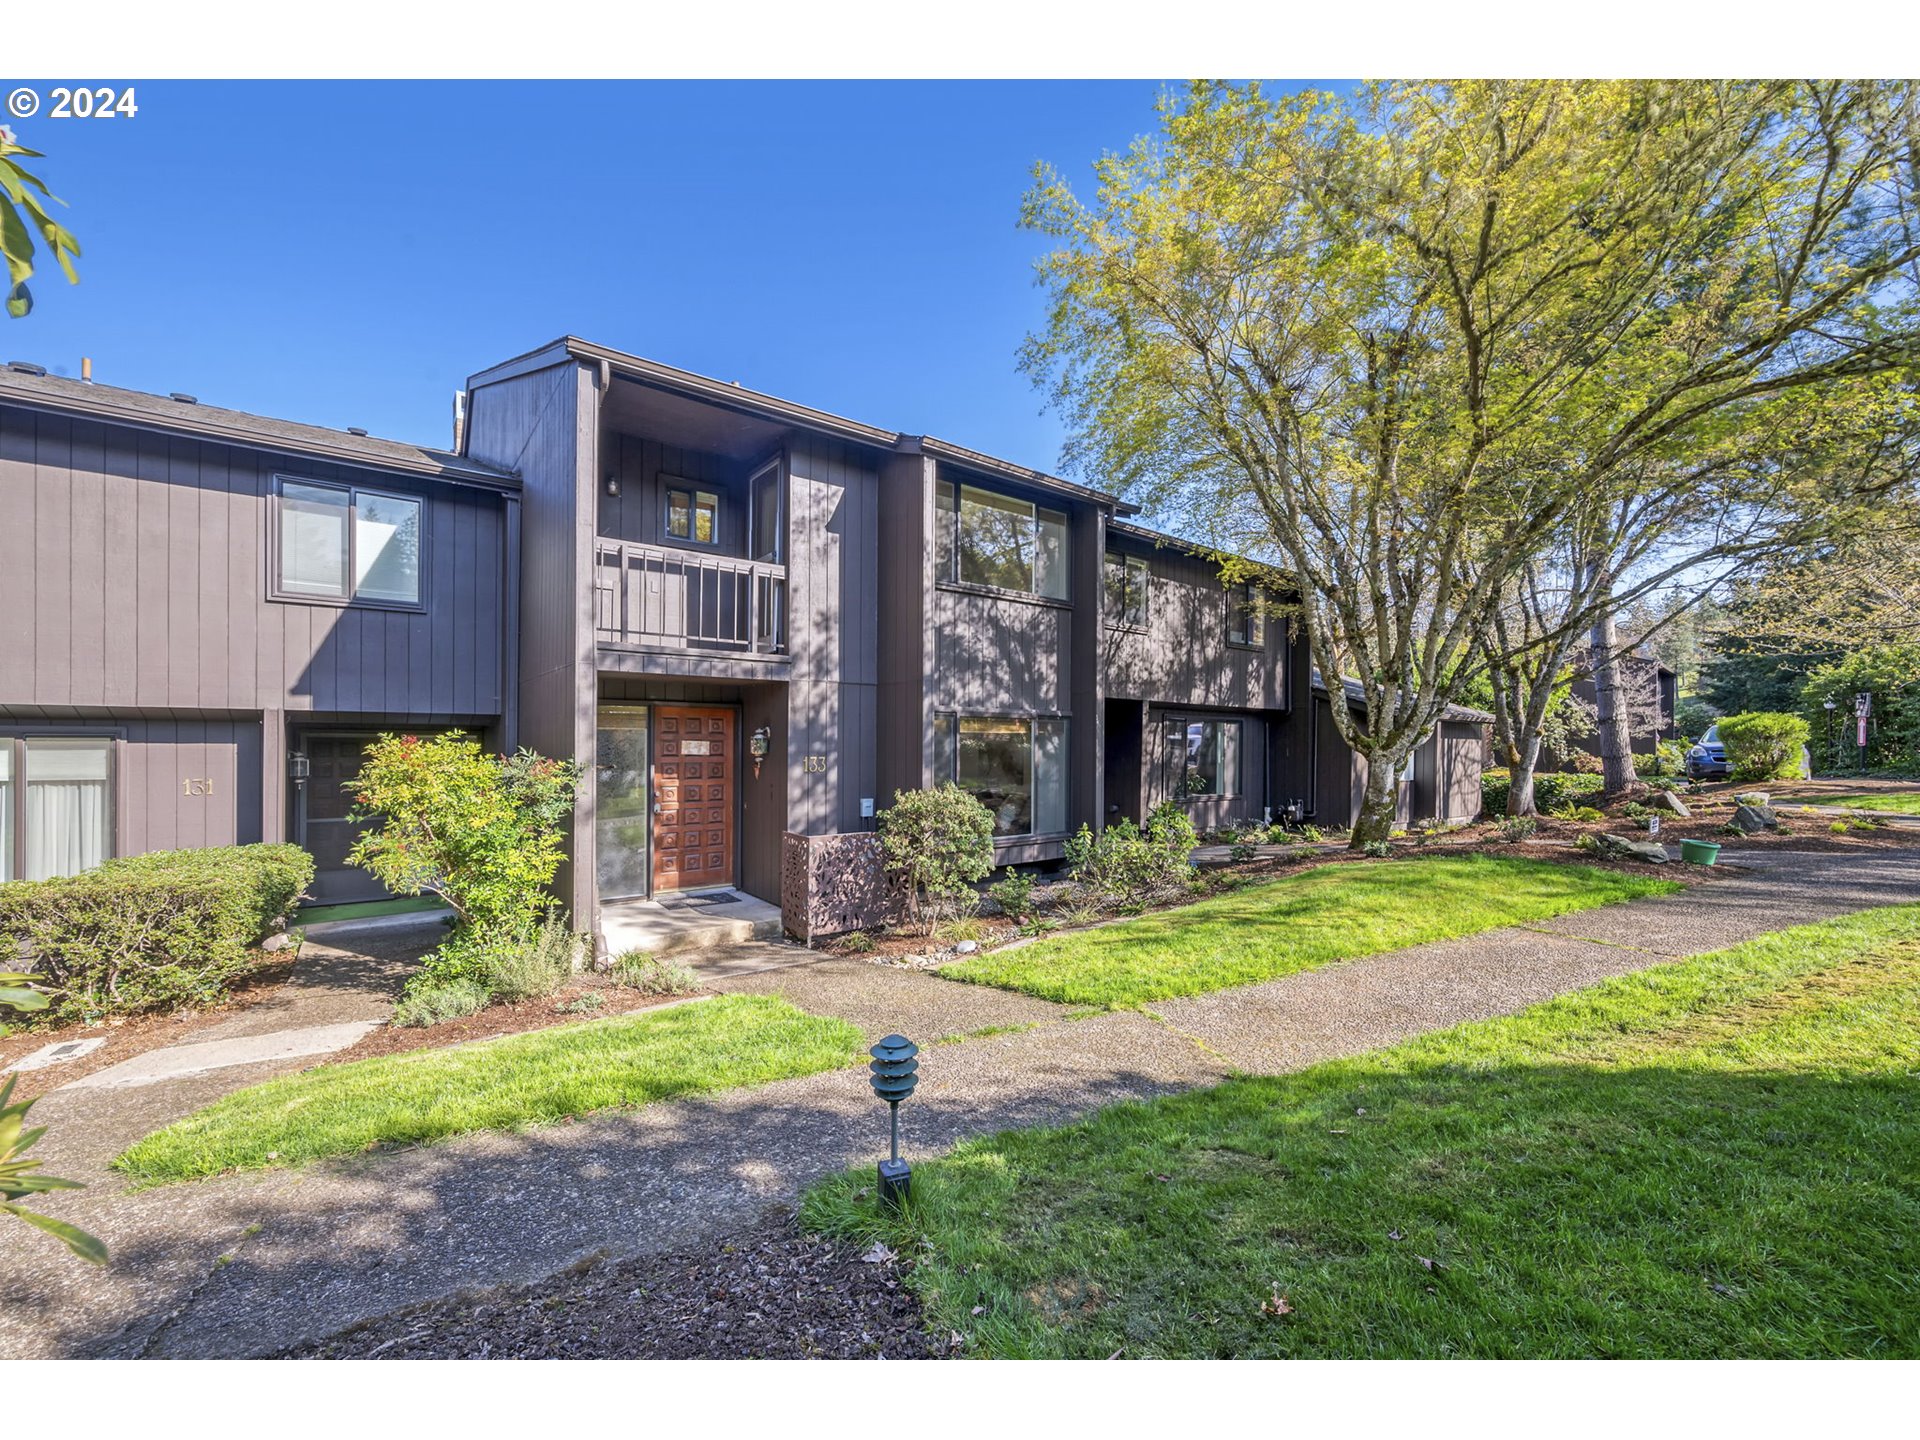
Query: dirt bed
[[515, 1018], [771, 1293]]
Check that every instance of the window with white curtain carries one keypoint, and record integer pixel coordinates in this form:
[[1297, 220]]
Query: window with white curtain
[[56, 805]]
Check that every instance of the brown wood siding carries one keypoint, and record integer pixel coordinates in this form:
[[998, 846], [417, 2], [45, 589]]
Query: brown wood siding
[[638, 512], [833, 601], [904, 636], [542, 425], [1000, 655], [134, 570], [1182, 656]]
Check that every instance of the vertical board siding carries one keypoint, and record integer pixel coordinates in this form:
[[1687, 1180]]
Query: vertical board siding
[[1183, 655], [134, 572]]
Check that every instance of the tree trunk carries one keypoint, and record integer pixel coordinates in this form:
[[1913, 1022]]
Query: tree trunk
[[1615, 711], [1379, 802], [1520, 778]]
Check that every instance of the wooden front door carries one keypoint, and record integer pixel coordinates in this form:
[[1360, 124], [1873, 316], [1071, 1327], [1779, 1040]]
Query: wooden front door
[[693, 795]]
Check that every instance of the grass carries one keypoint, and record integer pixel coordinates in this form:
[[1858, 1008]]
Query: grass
[[1719, 1157], [363, 909], [1898, 804], [496, 1085], [1334, 912]]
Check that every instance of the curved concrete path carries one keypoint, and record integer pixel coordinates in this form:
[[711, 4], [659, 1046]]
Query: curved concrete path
[[249, 1265]]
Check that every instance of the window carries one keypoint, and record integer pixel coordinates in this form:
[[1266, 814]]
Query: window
[[56, 805], [1127, 579], [768, 543], [1014, 765], [1246, 617], [1201, 758], [986, 539], [341, 543], [693, 515]]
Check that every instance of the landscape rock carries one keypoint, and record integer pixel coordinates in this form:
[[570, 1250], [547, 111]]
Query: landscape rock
[[1619, 847], [1751, 819], [966, 947], [1671, 803], [279, 940]]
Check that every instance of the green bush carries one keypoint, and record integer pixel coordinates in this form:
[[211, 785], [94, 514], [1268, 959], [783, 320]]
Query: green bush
[[1764, 745], [1013, 893], [1584, 813], [150, 932], [1126, 865], [428, 1002], [528, 967], [653, 975], [1550, 789], [1891, 674], [1518, 828], [940, 842]]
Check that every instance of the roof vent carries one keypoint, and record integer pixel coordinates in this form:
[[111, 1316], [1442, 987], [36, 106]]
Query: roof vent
[[356, 430], [182, 397], [26, 367]]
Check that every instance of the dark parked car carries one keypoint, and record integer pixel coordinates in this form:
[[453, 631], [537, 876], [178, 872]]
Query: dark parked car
[[1707, 757]]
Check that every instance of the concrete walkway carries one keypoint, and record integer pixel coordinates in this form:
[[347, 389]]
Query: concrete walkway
[[252, 1264]]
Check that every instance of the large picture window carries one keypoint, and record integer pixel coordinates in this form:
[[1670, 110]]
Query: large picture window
[[1014, 765], [56, 805], [341, 543], [1201, 758], [995, 540], [1127, 580]]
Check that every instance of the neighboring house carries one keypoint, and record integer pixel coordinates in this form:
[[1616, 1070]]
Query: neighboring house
[[1652, 693], [192, 596], [745, 617]]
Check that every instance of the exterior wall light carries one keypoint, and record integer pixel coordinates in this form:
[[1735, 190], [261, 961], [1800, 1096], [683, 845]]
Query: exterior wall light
[[757, 748], [613, 484], [893, 1080]]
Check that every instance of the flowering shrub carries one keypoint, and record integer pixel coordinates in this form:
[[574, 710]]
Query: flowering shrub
[[483, 832]]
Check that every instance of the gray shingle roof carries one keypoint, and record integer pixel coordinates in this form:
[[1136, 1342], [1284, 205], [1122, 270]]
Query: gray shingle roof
[[159, 412]]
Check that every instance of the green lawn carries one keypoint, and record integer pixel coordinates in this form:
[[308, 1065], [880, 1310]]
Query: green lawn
[[1898, 802], [497, 1085], [1334, 912], [1716, 1157]]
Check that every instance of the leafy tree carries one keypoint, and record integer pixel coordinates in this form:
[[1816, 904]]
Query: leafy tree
[[483, 832], [1889, 673], [23, 211], [941, 842], [1404, 343]]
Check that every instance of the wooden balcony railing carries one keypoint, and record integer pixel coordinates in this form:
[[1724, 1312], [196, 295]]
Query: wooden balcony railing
[[656, 597]]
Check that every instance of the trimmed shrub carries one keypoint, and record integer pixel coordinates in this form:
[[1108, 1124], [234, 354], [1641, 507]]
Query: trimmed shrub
[[1126, 865], [1550, 789], [150, 932], [941, 842], [1764, 745]]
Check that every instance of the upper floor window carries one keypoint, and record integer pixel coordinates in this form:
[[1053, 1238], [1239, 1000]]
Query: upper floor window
[[693, 515], [1246, 617], [342, 543], [986, 539], [56, 805], [1127, 579], [768, 543]]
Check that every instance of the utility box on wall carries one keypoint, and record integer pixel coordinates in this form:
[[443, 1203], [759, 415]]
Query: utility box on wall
[[831, 884]]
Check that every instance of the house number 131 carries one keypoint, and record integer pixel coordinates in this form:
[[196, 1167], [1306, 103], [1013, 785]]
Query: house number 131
[[196, 787]]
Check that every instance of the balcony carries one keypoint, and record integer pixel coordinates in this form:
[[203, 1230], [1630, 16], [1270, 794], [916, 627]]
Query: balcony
[[654, 597]]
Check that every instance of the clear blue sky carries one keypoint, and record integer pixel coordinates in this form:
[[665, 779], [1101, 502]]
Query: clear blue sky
[[348, 253]]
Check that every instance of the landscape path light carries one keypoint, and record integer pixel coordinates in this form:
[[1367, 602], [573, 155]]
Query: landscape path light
[[895, 1073]]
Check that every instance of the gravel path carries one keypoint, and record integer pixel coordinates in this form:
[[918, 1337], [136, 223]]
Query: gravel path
[[264, 1263]]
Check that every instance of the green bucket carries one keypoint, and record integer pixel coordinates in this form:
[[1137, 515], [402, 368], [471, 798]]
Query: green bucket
[[1699, 852]]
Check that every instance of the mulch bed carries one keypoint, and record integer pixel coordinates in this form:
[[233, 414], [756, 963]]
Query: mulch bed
[[770, 1293], [131, 1035], [508, 1018]]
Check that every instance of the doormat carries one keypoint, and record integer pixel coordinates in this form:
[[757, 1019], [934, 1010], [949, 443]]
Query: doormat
[[713, 899]]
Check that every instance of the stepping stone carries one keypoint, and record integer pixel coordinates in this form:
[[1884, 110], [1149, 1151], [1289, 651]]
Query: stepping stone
[[57, 1053], [176, 1061]]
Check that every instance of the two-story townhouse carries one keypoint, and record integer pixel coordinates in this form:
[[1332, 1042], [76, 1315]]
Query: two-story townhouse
[[205, 615], [748, 620]]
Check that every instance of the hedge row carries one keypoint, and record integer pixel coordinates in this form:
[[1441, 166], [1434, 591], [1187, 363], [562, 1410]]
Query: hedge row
[[149, 932], [1551, 789]]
